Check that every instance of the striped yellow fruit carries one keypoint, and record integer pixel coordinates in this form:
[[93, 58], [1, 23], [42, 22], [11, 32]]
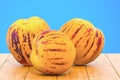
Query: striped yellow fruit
[[87, 40], [20, 36], [53, 52]]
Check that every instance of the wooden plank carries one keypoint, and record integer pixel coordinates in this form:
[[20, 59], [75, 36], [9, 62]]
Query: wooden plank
[[105, 67], [115, 62], [75, 73], [33, 74], [101, 69], [12, 70], [3, 57]]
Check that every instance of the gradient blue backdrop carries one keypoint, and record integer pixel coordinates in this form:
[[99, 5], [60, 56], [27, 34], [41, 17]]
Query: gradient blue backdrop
[[104, 14]]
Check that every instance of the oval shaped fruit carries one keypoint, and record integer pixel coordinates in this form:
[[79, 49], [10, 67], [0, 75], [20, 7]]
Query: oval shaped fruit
[[53, 52], [87, 40], [20, 36]]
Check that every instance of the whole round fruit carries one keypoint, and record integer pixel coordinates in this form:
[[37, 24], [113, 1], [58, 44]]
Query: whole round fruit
[[87, 39], [20, 36], [53, 52]]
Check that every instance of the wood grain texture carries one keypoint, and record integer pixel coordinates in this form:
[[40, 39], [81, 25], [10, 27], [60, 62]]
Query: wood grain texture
[[75, 73], [33, 74], [3, 57], [12, 70], [105, 67], [101, 69], [115, 62]]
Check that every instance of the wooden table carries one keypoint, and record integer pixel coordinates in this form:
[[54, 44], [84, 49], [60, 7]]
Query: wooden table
[[105, 67]]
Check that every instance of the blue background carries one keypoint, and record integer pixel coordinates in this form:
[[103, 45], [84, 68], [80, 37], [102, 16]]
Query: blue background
[[104, 14]]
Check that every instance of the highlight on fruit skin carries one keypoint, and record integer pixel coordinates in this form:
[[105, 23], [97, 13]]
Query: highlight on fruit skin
[[88, 40], [53, 52], [20, 36]]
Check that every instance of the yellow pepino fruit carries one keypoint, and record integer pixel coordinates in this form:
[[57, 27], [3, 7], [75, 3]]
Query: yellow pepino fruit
[[87, 40], [20, 36], [94, 50], [53, 52]]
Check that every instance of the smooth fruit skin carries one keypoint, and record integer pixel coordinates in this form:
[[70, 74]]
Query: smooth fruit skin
[[87, 39], [94, 51], [20, 36], [53, 52]]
